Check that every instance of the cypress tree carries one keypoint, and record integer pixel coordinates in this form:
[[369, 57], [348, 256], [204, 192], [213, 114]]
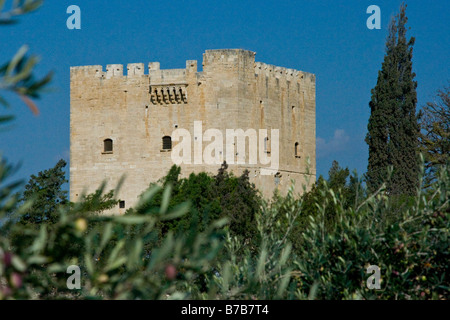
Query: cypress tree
[[393, 127]]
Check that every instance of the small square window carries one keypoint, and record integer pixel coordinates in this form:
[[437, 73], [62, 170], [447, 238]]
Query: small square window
[[121, 204]]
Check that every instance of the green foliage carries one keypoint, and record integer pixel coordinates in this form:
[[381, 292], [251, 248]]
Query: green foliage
[[263, 270], [19, 7], [8, 197], [126, 257], [393, 128], [212, 198], [434, 139], [16, 75], [410, 251], [206, 237], [238, 200], [45, 191], [110, 253], [347, 187], [98, 201]]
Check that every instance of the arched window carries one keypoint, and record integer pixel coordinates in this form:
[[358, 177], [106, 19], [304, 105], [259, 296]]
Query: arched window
[[167, 143], [107, 145], [297, 150]]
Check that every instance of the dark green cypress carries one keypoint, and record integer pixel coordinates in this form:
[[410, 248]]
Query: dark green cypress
[[393, 128]]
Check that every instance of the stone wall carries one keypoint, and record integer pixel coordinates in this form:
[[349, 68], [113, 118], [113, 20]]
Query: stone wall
[[136, 110]]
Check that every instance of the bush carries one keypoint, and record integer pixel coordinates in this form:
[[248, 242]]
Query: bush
[[109, 252], [126, 257], [211, 197]]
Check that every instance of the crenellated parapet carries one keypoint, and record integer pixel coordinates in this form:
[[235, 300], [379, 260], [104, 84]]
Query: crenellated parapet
[[154, 72], [166, 86], [87, 71], [269, 70], [169, 86], [135, 69]]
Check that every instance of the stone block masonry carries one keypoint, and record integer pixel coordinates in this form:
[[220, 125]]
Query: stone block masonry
[[118, 123]]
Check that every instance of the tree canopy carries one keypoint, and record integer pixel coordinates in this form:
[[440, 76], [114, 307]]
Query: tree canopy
[[393, 128], [212, 197], [434, 138], [46, 193]]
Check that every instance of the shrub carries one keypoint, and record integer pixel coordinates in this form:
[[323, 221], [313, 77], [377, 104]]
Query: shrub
[[126, 257]]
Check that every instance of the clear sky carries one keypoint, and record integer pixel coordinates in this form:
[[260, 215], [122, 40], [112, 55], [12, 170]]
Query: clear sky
[[327, 38]]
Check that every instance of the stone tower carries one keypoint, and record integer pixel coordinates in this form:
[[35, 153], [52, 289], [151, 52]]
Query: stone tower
[[123, 124]]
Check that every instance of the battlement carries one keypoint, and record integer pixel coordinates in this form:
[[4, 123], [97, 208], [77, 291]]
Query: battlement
[[279, 72], [170, 86], [212, 59], [136, 70], [87, 71]]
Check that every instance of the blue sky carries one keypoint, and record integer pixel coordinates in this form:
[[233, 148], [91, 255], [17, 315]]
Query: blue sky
[[327, 38]]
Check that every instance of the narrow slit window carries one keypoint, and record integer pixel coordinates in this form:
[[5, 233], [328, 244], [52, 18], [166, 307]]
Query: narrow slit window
[[107, 145], [265, 144], [167, 143], [297, 151]]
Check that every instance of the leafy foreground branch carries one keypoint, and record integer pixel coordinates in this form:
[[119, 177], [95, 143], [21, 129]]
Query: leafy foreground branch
[[127, 257], [16, 75]]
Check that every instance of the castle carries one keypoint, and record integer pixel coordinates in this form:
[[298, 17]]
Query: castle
[[124, 124]]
